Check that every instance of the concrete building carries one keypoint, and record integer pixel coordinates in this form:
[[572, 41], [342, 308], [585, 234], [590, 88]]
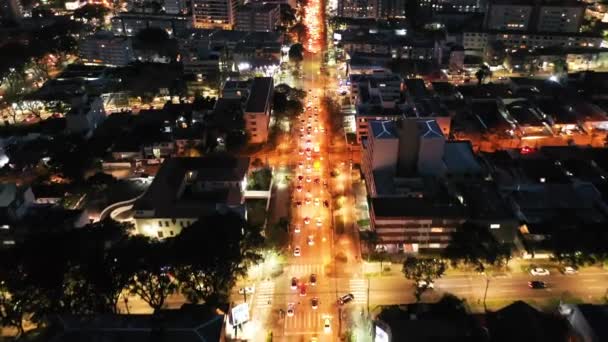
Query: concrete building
[[587, 321], [359, 8], [436, 6], [175, 6], [214, 13], [479, 40], [129, 24], [104, 48], [535, 16], [258, 109], [257, 17], [185, 189], [392, 8]]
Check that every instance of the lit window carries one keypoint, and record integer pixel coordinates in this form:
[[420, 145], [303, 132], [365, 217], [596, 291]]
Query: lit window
[[495, 226]]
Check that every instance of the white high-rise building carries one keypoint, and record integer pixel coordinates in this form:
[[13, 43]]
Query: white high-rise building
[[214, 13]]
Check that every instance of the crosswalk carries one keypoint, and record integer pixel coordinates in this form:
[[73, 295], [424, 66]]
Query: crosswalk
[[304, 270], [358, 287], [264, 294], [308, 321]]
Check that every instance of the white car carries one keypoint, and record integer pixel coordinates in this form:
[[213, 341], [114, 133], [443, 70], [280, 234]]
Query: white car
[[570, 270], [290, 310], [319, 222], [425, 284], [311, 240], [296, 251], [247, 289], [317, 202], [327, 325], [539, 271], [297, 229]]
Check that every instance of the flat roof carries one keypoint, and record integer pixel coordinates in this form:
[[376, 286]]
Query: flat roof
[[384, 129], [259, 97], [423, 208]]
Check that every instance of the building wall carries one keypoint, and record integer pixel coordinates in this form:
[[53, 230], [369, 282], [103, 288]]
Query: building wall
[[479, 40], [175, 6], [508, 17], [161, 227], [256, 125], [560, 18], [257, 19], [106, 51], [214, 13], [130, 25], [358, 8]]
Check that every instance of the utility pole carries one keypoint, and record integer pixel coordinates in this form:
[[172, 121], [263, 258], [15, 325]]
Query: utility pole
[[485, 308], [368, 286]]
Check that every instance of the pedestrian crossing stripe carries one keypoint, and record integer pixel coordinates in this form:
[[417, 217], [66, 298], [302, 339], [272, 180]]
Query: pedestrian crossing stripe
[[264, 294], [302, 270], [303, 320], [358, 287]]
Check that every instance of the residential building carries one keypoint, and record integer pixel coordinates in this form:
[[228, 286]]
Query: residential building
[[436, 6], [392, 8], [85, 115], [105, 49], [258, 109], [192, 322], [175, 6], [359, 8], [14, 201], [129, 24], [479, 40], [257, 17], [185, 189], [214, 13], [534, 16]]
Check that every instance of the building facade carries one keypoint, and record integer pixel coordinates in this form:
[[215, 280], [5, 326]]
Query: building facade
[[359, 8], [214, 13], [258, 109], [257, 17], [104, 48]]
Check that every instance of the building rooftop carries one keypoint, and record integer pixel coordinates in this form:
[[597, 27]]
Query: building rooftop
[[384, 129], [429, 129], [174, 191], [260, 95], [434, 206], [459, 159]]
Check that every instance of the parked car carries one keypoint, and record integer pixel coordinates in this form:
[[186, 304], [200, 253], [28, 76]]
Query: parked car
[[346, 298], [570, 270], [539, 271], [537, 284]]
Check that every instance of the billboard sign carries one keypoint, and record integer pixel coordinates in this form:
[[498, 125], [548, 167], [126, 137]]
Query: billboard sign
[[240, 314]]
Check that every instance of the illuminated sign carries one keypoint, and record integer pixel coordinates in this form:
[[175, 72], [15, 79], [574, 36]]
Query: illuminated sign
[[240, 314]]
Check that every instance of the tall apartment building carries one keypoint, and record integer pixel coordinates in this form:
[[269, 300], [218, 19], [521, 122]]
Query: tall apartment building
[[214, 13], [175, 6], [258, 109], [359, 8], [392, 8], [105, 49], [453, 5], [129, 24], [535, 15], [257, 17]]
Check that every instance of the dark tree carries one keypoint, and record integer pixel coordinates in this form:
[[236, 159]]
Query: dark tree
[[153, 270], [212, 253], [475, 245], [296, 53], [423, 269]]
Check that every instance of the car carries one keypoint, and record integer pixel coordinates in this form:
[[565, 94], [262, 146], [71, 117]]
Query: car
[[300, 178], [317, 202], [569, 270], [297, 228], [302, 290], [247, 290], [315, 303], [301, 129], [346, 298], [294, 283], [291, 310], [308, 158], [313, 279], [306, 220], [311, 240], [296, 251], [537, 284], [326, 204], [301, 152], [319, 222], [298, 204], [539, 271], [301, 165], [327, 325], [424, 284], [317, 181], [299, 188], [307, 200]]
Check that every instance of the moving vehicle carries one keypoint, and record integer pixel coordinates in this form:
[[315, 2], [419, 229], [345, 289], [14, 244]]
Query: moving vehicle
[[313, 279], [570, 270], [294, 283], [296, 251], [537, 284], [346, 298], [297, 228], [315, 303], [302, 290], [539, 271], [311, 240], [327, 325], [306, 220], [290, 310]]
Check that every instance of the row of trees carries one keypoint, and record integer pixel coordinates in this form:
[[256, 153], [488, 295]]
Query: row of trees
[[87, 271]]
